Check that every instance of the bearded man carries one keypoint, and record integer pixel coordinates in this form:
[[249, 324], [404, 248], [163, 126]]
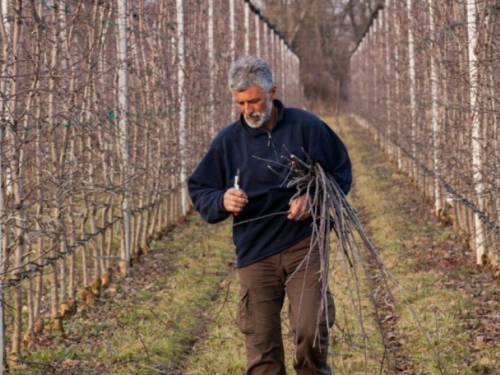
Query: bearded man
[[271, 229]]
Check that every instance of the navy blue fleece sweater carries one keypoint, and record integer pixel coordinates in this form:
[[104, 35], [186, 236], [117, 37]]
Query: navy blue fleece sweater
[[251, 151]]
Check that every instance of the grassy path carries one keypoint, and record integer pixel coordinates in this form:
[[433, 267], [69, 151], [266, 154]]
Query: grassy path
[[175, 314]]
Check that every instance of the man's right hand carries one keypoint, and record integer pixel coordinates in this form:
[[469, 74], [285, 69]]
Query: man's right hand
[[234, 200]]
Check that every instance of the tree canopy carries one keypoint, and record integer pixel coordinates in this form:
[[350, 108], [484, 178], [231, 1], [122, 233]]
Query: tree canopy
[[323, 33]]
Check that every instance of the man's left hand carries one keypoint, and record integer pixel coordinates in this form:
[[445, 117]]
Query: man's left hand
[[299, 208]]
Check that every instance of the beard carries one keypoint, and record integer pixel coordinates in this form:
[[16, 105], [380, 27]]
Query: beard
[[257, 119]]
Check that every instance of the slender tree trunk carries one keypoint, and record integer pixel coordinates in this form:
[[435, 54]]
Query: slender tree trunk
[[211, 66], [246, 10], [4, 67], [17, 168], [412, 74], [257, 35], [182, 107], [123, 124], [106, 237], [33, 298], [84, 261], [232, 46], [435, 112], [68, 66], [472, 35], [40, 156], [388, 83]]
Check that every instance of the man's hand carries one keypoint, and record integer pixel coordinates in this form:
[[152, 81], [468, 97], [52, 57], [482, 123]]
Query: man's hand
[[299, 208], [234, 200]]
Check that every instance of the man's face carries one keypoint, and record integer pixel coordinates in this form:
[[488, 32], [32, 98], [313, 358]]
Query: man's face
[[255, 104]]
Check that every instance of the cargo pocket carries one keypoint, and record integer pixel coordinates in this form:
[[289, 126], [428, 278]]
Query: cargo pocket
[[245, 318]]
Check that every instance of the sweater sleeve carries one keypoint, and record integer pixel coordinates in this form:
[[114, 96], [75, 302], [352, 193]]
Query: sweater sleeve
[[207, 187], [331, 153]]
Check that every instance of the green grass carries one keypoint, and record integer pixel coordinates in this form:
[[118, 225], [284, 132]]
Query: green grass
[[223, 349]]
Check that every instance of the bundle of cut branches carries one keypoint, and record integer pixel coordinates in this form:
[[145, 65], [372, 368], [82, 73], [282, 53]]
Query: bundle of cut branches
[[330, 211]]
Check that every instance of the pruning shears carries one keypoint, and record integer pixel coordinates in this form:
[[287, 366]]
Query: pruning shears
[[237, 186]]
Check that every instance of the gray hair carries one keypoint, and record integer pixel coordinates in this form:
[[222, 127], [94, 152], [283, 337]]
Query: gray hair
[[248, 71]]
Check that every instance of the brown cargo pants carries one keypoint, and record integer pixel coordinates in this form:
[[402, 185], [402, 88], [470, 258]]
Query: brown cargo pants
[[262, 295]]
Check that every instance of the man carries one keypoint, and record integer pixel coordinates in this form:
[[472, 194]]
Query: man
[[274, 235]]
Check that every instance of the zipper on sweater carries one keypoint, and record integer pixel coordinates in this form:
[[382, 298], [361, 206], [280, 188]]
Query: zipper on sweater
[[270, 143]]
